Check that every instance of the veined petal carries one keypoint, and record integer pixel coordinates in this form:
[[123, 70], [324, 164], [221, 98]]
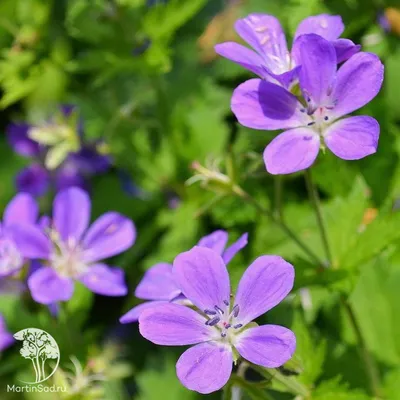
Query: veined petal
[[71, 213], [158, 284], [235, 247], [206, 367], [30, 240], [215, 241], [21, 209], [292, 151], [243, 56], [265, 34], [353, 138], [134, 314], [258, 104], [345, 49], [330, 27], [265, 283], [48, 287], [110, 234], [174, 325], [318, 67], [102, 279], [359, 80], [268, 345], [203, 278]]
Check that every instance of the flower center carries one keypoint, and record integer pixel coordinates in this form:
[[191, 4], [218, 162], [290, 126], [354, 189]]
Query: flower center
[[67, 257], [224, 320], [10, 257]]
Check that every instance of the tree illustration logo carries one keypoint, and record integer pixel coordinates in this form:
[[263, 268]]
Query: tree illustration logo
[[39, 347]]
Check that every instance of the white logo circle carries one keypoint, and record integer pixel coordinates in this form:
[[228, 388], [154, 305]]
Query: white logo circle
[[39, 346]]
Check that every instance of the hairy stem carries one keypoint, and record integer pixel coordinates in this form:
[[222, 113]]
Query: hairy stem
[[313, 193], [265, 211]]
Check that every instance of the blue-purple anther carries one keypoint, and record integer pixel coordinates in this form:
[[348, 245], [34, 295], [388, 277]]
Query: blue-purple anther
[[225, 319]]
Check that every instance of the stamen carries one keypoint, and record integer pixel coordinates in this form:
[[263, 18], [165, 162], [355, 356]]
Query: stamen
[[223, 334], [303, 110], [237, 326], [310, 123], [219, 310], [235, 310], [210, 312], [326, 118], [226, 302], [213, 321], [227, 326]]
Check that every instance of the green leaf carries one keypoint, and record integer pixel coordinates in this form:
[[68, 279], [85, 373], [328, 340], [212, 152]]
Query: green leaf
[[335, 390]]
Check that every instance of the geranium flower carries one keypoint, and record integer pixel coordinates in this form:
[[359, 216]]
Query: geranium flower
[[221, 325], [6, 338], [315, 120], [271, 59], [158, 285], [71, 250]]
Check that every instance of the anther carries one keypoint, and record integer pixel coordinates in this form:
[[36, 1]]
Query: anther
[[235, 311], [303, 110], [326, 118], [219, 310], [210, 312], [227, 326], [213, 321], [237, 326], [226, 302], [223, 334], [310, 123]]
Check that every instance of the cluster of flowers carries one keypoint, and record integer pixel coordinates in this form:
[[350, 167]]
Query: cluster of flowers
[[190, 303], [61, 156], [52, 253], [304, 91]]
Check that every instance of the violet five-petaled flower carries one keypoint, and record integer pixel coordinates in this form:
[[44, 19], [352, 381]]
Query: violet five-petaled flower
[[158, 285], [6, 338], [314, 121], [71, 250], [271, 59], [219, 327], [21, 209]]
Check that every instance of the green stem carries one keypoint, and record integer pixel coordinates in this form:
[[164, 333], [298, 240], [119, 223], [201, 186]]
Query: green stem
[[278, 190], [313, 193], [369, 362], [263, 210]]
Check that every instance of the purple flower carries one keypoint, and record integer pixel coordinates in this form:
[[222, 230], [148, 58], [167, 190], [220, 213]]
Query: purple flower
[[34, 179], [71, 250], [6, 338], [158, 284], [221, 328], [271, 59], [315, 121]]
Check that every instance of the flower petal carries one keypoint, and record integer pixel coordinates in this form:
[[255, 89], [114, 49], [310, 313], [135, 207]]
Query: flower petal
[[359, 80], [206, 367], [47, 287], [6, 340], [68, 176], [30, 240], [265, 283], [291, 151], [330, 27], [345, 49], [235, 247], [318, 67], [134, 314], [110, 234], [174, 325], [21, 209], [158, 284], [258, 104], [71, 213], [265, 34], [353, 138], [17, 135], [33, 179], [203, 278], [243, 56], [102, 279], [216, 241], [268, 345]]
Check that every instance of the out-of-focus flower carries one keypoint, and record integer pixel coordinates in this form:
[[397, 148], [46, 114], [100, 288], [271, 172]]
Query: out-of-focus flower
[[61, 156], [221, 327], [73, 250], [390, 20], [158, 284], [22, 209], [316, 120], [271, 59], [6, 338]]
